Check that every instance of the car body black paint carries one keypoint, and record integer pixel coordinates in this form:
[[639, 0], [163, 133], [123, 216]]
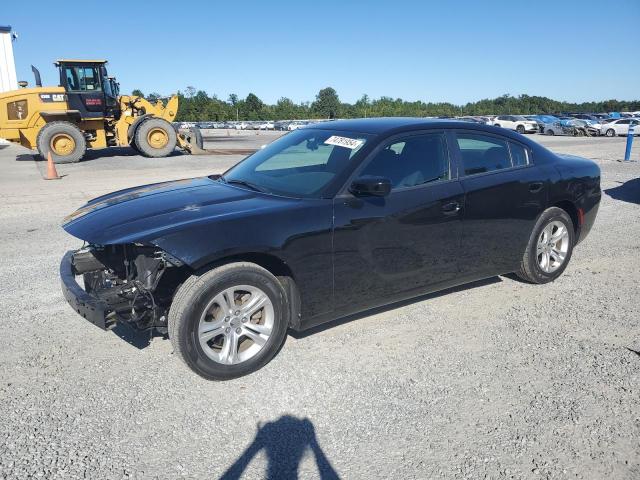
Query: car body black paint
[[348, 253]]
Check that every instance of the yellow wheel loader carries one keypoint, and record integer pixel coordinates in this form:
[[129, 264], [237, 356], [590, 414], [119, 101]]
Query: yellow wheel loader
[[86, 111]]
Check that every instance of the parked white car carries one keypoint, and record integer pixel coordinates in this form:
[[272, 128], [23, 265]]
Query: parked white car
[[620, 127], [266, 126], [4, 143], [516, 122], [241, 126], [295, 125]]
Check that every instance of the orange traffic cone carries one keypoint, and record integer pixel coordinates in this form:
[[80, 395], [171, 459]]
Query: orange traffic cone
[[52, 173]]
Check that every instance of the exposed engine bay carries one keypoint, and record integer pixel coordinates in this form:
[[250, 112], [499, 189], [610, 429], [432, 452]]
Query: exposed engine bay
[[135, 282]]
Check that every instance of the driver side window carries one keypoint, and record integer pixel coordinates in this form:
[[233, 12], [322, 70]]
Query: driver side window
[[81, 79], [415, 160]]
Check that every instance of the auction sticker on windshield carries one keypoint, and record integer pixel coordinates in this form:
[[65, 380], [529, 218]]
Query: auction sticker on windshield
[[346, 142]]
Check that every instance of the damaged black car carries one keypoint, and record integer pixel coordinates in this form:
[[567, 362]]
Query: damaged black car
[[325, 222]]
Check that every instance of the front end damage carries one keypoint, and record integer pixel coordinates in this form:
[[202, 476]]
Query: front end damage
[[131, 283]]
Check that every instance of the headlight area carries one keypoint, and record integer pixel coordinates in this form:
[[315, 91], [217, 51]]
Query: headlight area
[[134, 283]]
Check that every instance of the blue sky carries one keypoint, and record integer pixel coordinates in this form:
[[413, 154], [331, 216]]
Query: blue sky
[[456, 51]]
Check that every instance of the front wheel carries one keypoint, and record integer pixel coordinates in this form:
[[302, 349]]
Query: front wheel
[[520, 129], [230, 321], [155, 137], [549, 249], [550, 132]]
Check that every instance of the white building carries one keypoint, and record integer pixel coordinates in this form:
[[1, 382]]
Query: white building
[[8, 79]]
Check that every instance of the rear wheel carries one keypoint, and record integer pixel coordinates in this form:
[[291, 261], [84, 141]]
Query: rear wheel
[[64, 140], [549, 249], [610, 133], [549, 132], [155, 137], [230, 321]]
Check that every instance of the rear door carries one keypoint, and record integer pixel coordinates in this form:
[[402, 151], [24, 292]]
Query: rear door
[[504, 194], [406, 241], [622, 126]]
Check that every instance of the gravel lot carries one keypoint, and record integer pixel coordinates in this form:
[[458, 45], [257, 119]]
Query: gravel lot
[[498, 379]]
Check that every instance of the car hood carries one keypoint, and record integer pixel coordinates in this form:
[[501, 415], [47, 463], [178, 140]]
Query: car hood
[[143, 214]]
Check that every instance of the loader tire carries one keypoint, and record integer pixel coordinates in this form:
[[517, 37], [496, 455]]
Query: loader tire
[[155, 137], [64, 140]]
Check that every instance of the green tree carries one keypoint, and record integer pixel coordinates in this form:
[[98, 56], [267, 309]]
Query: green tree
[[137, 93], [327, 103], [253, 107]]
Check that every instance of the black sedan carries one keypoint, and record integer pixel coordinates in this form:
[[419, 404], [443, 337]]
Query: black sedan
[[327, 221]]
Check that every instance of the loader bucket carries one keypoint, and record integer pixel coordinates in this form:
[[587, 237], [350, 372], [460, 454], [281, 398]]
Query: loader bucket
[[192, 141]]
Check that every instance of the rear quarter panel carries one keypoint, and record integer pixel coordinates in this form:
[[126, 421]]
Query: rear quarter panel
[[580, 184]]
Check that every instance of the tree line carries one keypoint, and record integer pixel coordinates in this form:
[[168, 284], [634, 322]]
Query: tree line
[[197, 105]]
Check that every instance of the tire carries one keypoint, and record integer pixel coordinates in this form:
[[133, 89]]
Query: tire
[[496, 125], [155, 138], [200, 299], [520, 129], [134, 146], [610, 133], [60, 138], [549, 132], [532, 267]]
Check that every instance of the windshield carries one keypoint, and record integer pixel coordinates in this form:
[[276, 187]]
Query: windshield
[[299, 164]]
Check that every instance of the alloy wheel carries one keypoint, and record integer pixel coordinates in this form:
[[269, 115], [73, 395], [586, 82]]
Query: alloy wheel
[[236, 324], [552, 246]]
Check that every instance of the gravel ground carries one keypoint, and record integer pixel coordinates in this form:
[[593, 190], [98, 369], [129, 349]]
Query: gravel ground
[[498, 379]]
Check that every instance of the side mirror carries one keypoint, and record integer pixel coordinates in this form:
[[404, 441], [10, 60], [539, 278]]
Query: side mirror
[[371, 186]]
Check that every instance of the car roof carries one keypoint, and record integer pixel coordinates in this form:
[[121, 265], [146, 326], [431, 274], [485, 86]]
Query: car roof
[[390, 125]]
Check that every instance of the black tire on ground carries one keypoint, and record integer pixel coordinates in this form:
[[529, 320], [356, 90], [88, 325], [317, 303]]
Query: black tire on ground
[[610, 133], [496, 125], [549, 132], [155, 137], [520, 129], [194, 296], [133, 145], [60, 136], [530, 269]]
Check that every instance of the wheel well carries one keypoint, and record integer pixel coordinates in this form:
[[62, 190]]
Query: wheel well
[[273, 264], [278, 268], [571, 209]]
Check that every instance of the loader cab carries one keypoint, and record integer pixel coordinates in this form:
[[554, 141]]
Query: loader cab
[[89, 89]]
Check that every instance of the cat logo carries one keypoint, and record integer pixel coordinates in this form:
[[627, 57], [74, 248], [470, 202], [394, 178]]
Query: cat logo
[[52, 97]]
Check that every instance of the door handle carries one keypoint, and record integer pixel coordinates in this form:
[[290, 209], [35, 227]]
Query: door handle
[[451, 208], [535, 187]]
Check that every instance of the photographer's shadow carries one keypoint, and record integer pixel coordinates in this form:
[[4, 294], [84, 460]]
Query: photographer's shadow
[[285, 442]]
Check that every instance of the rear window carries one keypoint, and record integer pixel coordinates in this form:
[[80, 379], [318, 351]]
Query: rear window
[[482, 153], [519, 155]]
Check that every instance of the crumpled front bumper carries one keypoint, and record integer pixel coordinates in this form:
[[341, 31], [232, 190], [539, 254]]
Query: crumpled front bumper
[[88, 306]]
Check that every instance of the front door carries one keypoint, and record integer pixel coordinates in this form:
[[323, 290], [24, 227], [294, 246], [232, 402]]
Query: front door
[[84, 89], [404, 242]]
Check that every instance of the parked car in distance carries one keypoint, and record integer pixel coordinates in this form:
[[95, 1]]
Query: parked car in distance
[[296, 125], [516, 122], [268, 125], [327, 221], [620, 127], [573, 127]]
